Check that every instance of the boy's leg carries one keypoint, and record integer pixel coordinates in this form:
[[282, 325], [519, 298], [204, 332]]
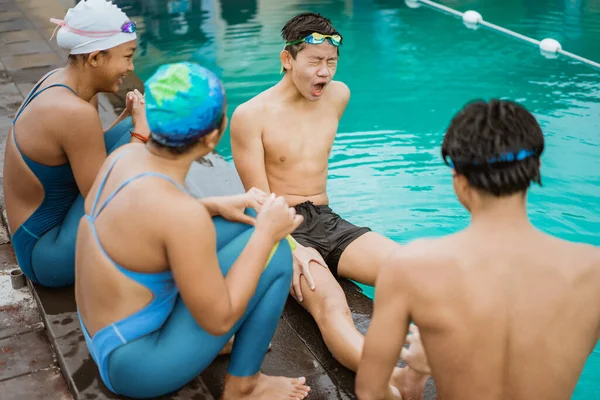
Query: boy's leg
[[328, 306], [362, 259]]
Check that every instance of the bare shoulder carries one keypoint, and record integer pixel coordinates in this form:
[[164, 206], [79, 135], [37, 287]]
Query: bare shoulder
[[126, 148], [253, 107], [247, 117], [76, 115], [416, 260], [75, 107], [340, 89], [340, 94], [588, 255], [576, 252], [181, 214], [581, 261]]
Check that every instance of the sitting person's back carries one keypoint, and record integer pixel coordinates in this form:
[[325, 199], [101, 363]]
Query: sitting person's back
[[504, 311], [161, 287], [57, 144]]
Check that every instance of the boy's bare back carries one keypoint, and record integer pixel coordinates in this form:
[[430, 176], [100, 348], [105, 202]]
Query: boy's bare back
[[503, 314]]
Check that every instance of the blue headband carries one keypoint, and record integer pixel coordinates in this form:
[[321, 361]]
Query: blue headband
[[503, 158]]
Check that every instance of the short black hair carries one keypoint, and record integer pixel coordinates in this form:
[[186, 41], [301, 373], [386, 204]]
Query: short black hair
[[303, 25], [177, 150], [74, 58], [482, 132], [184, 148]]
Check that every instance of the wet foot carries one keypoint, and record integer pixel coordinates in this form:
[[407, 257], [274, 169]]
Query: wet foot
[[397, 380], [409, 382], [264, 387], [229, 346]]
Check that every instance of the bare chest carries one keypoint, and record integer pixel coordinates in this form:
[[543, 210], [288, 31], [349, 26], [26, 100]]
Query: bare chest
[[290, 140]]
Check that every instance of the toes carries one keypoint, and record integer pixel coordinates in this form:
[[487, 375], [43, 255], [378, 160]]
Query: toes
[[301, 392], [301, 381]]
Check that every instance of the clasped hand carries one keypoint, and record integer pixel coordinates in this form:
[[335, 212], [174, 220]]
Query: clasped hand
[[233, 208]]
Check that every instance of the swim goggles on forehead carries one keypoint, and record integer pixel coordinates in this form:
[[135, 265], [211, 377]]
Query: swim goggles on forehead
[[318, 38], [127, 27], [503, 158]]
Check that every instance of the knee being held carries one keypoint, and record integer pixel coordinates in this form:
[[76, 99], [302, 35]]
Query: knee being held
[[251, 212], [332, 304]]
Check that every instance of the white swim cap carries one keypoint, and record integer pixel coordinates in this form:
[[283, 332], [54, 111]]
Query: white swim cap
[[94, 25]]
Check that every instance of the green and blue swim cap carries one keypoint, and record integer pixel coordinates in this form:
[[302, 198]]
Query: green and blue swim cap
[[184, 102]]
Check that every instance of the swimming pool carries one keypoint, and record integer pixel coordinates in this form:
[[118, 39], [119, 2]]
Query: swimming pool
[[409, 71]]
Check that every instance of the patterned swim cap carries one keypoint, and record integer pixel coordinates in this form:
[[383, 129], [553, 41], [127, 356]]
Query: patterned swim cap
[[184, 102]]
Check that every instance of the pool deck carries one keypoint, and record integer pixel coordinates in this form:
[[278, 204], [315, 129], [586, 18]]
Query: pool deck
[[43, 354]]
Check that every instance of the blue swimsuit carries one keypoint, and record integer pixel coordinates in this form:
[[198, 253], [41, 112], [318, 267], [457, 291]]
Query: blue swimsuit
[[160, 348], [45, 243]]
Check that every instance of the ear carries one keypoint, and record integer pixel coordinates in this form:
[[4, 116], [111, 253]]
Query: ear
[[92, 58], [212, 139], [461, 182], [286, 60]]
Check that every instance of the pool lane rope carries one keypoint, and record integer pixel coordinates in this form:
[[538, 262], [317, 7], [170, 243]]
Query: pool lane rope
[[549, 48]]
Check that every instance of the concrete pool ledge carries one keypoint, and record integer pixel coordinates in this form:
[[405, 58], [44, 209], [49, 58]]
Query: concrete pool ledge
[[297, 349]]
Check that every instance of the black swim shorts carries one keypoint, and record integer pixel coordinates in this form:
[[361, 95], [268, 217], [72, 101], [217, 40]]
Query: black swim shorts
[[326, 232]]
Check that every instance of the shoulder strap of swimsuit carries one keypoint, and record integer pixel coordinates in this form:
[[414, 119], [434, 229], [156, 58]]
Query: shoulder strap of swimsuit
[[95, 214], [34, 93], [33, 96], [128, 181], [103, 182]]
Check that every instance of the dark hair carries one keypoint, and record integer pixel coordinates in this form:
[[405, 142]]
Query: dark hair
[[483, 140], [74, 58], [178, 150], [184, 148], [303, 25]]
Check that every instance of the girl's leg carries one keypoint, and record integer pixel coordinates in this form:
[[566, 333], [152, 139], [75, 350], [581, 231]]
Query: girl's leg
[[53, 257], [164, 361], [254, 336], [118, 135], [227, 230]]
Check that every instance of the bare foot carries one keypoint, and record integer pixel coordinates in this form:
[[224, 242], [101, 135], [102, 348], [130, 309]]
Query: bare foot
[[229, 346], [264, 387], [397, 380], [409, 382]]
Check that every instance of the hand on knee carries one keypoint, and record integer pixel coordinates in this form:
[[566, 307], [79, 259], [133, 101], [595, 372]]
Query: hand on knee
[[251, 212]]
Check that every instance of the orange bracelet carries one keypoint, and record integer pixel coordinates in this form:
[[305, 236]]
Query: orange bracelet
[[139, 136]]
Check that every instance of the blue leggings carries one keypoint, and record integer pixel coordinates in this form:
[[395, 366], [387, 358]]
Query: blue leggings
[[166, 360], [53, 256]]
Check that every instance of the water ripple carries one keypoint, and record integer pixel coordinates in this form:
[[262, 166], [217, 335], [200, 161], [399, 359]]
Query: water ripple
[[409, 72]]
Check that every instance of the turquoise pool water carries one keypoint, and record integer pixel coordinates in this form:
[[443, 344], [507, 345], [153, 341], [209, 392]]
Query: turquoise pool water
[[409, 71]]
